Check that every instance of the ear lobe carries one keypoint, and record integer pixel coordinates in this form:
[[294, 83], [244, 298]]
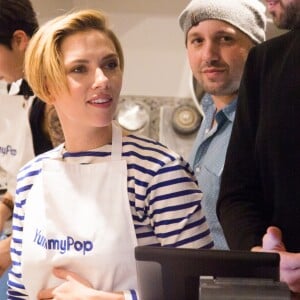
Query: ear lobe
[[51, 97], [20, 40]]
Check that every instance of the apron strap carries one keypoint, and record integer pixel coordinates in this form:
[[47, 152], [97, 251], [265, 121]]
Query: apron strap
[[116, 151]]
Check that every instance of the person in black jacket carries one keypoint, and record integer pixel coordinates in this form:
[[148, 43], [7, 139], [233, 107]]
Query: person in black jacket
[[260, 185], [18, 23]]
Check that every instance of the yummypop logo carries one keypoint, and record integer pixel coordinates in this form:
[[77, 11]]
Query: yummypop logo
[[62, 245], [6, 150]]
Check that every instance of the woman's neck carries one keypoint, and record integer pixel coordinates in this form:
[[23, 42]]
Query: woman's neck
[[83, 140]]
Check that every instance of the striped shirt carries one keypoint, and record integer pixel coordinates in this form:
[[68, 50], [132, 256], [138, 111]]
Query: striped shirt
[[164, 199]]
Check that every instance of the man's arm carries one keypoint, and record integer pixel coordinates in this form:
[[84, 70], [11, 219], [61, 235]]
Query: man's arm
[[239, 206], [5, 259]]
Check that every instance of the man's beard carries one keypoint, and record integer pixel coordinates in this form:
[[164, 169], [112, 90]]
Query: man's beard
[[291, 16], [229, 88]]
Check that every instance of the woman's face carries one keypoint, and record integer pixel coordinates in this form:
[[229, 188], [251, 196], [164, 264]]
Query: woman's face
[[94, 79]]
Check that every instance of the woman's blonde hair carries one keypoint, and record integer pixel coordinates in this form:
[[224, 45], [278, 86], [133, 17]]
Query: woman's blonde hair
[[43, 59]]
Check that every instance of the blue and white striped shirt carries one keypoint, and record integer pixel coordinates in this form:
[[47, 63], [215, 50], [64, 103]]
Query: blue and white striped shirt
[[163, 196]]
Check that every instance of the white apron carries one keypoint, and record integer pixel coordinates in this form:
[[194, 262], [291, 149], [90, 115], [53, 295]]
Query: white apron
[[16, 145], [78, 217]]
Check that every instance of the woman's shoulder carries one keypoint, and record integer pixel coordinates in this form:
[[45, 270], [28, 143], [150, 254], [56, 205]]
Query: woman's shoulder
[[148, 147], [36, 162], [143, 153]]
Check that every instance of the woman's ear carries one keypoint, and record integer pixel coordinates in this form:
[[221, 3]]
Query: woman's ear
[[20, 40], [50, 94]]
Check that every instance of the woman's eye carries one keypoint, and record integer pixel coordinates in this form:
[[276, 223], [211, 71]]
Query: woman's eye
[[79, 69], [111, 65]]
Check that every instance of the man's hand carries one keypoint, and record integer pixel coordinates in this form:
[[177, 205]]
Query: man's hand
[[272, 240], [5, 211], [289, 262], [5, 259]]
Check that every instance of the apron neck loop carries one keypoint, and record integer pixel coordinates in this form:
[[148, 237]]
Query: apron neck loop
[[116, 151]]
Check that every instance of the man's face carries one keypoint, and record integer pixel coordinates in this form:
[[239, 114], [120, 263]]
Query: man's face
[[217, 53], [285, 13], [11, 64], [12, 59]]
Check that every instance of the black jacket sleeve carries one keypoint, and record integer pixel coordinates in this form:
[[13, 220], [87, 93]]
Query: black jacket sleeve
[[260, 182], [239, 205]]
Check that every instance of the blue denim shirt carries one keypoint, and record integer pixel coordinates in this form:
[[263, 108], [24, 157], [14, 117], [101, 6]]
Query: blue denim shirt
[[207, 160]]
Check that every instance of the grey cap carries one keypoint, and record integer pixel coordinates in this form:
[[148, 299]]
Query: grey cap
[[246, 15]]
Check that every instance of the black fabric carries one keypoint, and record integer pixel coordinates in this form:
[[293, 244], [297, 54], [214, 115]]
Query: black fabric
[[41, 141], [25, 90], [261, 177]]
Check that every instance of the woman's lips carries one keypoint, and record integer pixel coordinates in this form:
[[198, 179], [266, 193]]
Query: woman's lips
[[100, 99]]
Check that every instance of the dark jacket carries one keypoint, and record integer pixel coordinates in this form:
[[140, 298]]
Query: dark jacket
[[41, 141], [261, 179]]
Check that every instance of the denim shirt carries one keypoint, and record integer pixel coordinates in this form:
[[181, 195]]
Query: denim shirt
[[207, 160]]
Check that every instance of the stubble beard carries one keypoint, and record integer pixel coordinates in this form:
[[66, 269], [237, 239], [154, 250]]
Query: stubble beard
[[290, 18], [227, 88]]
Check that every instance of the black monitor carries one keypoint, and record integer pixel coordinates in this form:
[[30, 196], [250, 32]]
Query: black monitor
[[174, 273]]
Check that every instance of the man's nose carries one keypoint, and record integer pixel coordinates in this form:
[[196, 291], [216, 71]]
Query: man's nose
[[210, 52]]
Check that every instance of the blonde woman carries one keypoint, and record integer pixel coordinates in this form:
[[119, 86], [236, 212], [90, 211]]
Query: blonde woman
[[83, 207]]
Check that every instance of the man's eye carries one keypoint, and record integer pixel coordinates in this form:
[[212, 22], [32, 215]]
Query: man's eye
[[196, 41], [226, 39]]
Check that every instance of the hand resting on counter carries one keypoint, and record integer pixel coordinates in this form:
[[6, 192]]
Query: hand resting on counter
[[289, 262]]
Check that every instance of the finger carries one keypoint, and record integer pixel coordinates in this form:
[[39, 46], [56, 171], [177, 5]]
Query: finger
[[272, 240], [70, 276], [275, 231], [257, 249], [45, 294], [65, 274]]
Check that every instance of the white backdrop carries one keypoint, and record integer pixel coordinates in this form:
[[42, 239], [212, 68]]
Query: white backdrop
[[153, 44]]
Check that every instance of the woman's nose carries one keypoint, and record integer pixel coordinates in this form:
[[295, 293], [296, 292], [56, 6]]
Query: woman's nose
[[101, 80]]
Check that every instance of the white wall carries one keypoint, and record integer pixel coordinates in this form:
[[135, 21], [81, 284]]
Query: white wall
[[153, 44]]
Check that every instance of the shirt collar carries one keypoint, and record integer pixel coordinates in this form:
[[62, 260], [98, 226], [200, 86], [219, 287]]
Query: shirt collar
[[20, 87], [14, 87], [228, 111]]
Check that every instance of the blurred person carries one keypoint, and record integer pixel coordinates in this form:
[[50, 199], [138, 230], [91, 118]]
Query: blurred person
[[82, 207], [21, 137], [259, 198], [285, 13], [219, 35]]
